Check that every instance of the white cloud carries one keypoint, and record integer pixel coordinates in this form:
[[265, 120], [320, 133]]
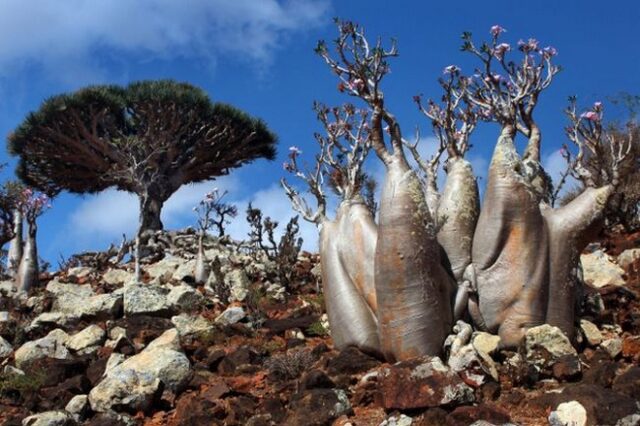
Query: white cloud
[[104, 217], [273, 202], [64, 35]]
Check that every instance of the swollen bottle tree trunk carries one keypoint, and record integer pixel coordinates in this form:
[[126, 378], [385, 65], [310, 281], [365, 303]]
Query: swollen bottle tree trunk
[[202, 269], [28, 270], [458, 212], [346, 272], [414, 291], [16, 245], [570, 229], [510, 250], [347, 243]]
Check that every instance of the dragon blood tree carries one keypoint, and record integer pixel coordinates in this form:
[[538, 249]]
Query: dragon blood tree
[[347, 243], [525, 253], [32, 205], [149, 138]]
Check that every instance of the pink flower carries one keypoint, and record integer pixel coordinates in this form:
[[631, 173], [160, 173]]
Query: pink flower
[[357, 84], [451, 69], [501, 49], [287, 167], [590, 115], [496, 30], [597, 105], [549, 51], [529, 45], [294, 150]]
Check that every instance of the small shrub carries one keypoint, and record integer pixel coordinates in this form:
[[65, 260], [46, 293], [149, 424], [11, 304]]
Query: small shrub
[[290, 365], [317, 329], [23, 384]]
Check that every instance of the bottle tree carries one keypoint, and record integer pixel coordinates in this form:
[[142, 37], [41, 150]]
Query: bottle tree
[[148, 138], [511, 263]]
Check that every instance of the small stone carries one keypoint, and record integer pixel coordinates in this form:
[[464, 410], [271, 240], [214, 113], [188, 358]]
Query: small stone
[[401, 420], [80, 271], [628, 257], [421, 383], [4, 316], [631, 347], [231, 315], [599, 270], [48, 319], [632, 420], [90, 336], [569, 414], [485, 342], [78, 405], [591, 332], [49, 418], [170, 339], [612, 346]]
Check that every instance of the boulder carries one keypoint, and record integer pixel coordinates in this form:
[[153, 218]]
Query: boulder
[[568, 413], [50, 346], [184, 298], [546, 344], [140, 299], [136, 382], [185, 270], [421, 383], [237, 282], [189, 326], [53, 319], [80, 272], [231, 315], [89, 337], [5, 348], [118, 277], [50, 418], [600, 270]]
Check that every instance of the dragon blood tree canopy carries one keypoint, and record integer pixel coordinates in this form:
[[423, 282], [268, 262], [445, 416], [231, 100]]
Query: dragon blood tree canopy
[[149, 138]]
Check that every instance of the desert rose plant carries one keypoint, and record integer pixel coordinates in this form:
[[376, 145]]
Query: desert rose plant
[[32, 204], [437, 256]]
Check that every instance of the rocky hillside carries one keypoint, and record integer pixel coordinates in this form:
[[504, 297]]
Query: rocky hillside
[[93, 347]]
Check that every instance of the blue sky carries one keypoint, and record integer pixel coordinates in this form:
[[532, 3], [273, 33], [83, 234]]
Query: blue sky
[[258, 55]]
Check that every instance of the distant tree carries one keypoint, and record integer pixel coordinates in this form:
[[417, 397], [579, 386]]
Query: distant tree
[[149, 138]]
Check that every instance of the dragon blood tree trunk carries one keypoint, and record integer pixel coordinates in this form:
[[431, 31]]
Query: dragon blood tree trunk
[[15, 248], [150, 209], [352, 320], [510, 250], [458, 208], [413, 289], [571, 227], [28, 270]]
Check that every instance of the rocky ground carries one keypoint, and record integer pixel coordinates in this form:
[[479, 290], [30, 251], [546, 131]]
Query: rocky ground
[[93, 347]]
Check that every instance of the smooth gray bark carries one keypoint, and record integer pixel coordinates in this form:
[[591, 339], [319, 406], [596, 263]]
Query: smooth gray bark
[[16, 245], [414, 291], [353, 322], [28, 270]]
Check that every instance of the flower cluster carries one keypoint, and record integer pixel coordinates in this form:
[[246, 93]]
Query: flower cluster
[[33, 204], [595, 114], [496, 30]]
